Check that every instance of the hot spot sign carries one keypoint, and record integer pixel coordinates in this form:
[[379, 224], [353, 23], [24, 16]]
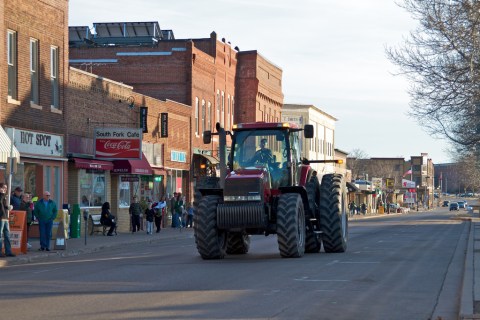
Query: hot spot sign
[[118, 143]]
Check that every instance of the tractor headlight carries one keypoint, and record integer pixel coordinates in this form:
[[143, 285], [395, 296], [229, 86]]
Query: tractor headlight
[[256, 197]]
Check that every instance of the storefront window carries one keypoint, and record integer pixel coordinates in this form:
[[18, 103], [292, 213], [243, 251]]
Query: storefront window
[[124, 194], [92, 188]]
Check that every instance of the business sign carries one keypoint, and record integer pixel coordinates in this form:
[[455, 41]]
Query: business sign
[[377, 182], [408, 184], [118, 143], [36, 143], [143, 119], [164, 125]]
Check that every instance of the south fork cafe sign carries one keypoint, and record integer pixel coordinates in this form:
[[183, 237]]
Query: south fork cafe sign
[[408, 184], [118, 143]]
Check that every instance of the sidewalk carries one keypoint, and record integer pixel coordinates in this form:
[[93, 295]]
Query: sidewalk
[[95, 242]]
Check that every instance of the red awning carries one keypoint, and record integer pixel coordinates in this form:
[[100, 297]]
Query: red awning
[[93, 164], [137, 166]]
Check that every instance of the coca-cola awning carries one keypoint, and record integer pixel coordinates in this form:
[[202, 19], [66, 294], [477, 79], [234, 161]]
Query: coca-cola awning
[[140, 166], [92, 164]]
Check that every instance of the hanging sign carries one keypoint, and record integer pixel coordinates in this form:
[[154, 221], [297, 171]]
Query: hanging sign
[[118, 143]]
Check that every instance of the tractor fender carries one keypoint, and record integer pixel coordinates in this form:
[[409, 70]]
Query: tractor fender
[[297, 189]]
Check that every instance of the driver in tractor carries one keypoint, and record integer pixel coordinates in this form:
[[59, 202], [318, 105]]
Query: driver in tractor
[[263, 155]]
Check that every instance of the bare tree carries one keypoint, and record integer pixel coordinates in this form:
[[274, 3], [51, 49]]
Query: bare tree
[[356, 163], [442, 61]]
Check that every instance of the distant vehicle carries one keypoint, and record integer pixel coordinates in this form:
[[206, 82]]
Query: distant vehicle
[[435, 195], [461, 204], [454, 206], [445, 203]]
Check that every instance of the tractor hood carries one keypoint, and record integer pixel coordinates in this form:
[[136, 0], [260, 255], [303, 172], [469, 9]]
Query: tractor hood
[[247, 184]]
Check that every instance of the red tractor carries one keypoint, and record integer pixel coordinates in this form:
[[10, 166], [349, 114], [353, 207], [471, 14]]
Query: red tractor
[[270, 190]]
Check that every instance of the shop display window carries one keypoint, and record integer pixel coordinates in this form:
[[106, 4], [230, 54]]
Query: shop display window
[[92, 188]]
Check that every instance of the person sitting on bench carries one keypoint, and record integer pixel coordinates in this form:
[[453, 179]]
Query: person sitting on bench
[[108, 219]]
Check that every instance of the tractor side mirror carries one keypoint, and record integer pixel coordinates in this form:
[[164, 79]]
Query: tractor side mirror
[[207, 137], [308, 131]]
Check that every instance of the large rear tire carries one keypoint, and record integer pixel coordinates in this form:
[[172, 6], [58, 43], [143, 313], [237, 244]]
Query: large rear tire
[[312, 243], [210, 241], [291, 226], [333, 213], [238, 243]]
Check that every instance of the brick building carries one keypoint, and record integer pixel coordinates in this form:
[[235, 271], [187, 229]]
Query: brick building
[[33, 82], [220, 83], [164, 167], [259, 89]]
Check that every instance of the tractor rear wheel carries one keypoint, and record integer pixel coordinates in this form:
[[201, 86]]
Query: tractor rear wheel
[[333, 213], [312, 243], [291, 226], [238, 243], [210, 241]]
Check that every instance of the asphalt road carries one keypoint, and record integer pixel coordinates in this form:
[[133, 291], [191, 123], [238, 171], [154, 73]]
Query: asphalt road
[[396, 267]]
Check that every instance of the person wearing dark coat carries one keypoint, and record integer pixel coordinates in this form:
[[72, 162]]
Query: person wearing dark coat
[[107, 218]]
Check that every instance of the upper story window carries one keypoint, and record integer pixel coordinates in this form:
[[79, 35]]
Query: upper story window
[[204, 116], [34, 97], [222, 117], [12, 64], [228, 113], [196, 117], [209, 116], [54, 77], [218, 107], [232, 111]]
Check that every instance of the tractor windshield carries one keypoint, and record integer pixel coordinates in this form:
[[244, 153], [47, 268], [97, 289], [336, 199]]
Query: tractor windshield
[[262, 148]]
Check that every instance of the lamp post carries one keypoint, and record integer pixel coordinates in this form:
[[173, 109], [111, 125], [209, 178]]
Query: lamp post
[[416, 196]]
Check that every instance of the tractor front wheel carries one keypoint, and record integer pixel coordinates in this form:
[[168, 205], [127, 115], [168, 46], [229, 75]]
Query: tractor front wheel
[[291, 226], [210, 241]]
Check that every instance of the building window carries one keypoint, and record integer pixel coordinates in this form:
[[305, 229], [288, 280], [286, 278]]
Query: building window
[[218, 107], [12, 64], [204, 116], [54, 77], [196, 117], [209, 116], [232, 112], [92, 187], [124, 196], [222, 118], [34, 71], [228, 112]]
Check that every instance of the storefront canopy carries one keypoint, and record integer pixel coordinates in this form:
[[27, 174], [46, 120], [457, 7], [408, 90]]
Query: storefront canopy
[[93, 164], [352, 187], [6, 147], [212, 160], [140, 166]]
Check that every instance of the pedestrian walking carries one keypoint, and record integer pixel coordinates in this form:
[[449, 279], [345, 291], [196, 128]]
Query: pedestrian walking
[[135, 211], [45, 211], [149, 214], [178, 211], [4, 222], [190, 213]]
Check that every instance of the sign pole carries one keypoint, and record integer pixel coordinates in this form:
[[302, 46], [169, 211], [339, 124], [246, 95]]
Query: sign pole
[[10, 174]]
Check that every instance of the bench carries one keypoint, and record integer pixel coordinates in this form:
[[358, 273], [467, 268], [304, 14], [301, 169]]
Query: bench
[[96, 226]]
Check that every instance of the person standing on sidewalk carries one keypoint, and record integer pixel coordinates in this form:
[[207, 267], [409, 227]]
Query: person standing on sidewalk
[[45, 211], [160, 213], [16, 198], [4, 223], [26, 205], [135, 211]]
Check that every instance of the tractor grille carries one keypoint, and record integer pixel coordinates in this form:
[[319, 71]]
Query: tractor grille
[[241, 215]]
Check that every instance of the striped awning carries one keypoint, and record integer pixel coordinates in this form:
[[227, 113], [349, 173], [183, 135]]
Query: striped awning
[[6, 147]]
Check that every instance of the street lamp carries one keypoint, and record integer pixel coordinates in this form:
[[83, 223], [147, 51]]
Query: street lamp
[[416, 196]]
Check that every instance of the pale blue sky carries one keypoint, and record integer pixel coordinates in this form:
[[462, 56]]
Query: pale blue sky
[[332, 54]]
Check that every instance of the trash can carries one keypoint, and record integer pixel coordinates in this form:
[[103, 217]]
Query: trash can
[[75, 222]]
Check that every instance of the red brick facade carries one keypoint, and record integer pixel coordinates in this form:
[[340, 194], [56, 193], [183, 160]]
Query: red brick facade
[[259, 89], [46, 22]]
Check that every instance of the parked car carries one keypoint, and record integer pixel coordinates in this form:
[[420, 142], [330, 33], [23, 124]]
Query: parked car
[[454, 206], [446, 203], [462, 204]]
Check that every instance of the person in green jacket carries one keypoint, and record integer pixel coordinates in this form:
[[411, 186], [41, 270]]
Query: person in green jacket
[[45, 211]]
